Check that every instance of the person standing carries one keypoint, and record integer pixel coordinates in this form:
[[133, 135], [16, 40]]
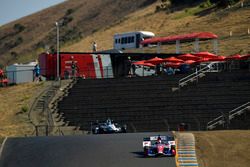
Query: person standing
[[94, 46], [37, 73], [73, 69]]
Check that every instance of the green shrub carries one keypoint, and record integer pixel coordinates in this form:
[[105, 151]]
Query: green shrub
[[24, 109], [69, 11], [18, 27]]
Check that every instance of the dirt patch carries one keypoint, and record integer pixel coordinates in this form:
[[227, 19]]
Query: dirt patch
[[223, 148]]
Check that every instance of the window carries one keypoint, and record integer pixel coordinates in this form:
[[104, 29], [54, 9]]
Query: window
[[133, 39], [129, 39], [126, 40]]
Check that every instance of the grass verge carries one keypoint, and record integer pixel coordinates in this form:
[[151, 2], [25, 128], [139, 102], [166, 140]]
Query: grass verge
[[223, 148]]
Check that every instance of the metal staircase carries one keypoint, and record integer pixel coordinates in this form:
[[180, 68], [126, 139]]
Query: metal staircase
[[223, 119], [212, 67]]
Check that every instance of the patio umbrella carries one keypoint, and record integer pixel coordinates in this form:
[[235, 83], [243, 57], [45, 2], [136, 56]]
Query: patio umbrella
[[155, 60], [188, 57], [139, 62], [189, 62], [245, 57], [173, 65], [173, 60], [217, 58], [149, 64], [143, 63], [203, 60], [234, 57], [205, 54]]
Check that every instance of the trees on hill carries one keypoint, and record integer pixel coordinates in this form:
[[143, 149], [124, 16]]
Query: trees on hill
[[173, 3]]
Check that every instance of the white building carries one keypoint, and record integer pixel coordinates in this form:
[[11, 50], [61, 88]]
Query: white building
[[20, 73]]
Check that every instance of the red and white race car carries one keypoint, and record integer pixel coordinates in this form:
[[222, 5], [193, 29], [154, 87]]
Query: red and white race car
[[159, 146]]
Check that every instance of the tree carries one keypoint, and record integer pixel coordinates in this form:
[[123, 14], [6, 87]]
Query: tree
[[18, 27]]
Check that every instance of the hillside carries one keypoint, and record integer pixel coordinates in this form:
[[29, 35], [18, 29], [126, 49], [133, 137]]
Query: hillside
[[83, 22], [190, 19], [23, 39]]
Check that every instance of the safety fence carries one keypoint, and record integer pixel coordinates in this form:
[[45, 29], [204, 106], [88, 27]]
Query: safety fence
[[46, 130]]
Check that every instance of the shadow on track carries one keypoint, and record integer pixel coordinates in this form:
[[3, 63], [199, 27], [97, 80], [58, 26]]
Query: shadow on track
[[138, 154]]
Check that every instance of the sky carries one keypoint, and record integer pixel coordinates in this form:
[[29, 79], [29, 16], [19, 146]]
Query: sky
[[11, 10]]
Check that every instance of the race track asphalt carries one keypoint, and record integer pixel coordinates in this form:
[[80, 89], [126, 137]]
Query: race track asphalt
[[110, 150]]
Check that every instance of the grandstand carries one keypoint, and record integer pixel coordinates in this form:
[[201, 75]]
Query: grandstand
[[150, 104]]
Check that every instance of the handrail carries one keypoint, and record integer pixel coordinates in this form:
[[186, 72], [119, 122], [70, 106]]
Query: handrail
[[232, 113], [214, 122], [33, 104], [195, 74], [235, 111]]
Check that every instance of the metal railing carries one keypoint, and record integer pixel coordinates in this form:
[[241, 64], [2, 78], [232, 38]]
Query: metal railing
[[239, 110], [195, 75], [231, 114], [46, 130]]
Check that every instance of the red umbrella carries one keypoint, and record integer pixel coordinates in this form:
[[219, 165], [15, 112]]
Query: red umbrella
[[149, 64], [190, 62], [155, 60], [217, 58], [139, 62], [173, 65], [203, 60], [173, 60], [142, 63], [205, 54], [245, 57], [188, 57], [234, 57]]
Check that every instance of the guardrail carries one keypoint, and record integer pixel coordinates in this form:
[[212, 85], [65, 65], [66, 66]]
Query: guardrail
[[231, 114]]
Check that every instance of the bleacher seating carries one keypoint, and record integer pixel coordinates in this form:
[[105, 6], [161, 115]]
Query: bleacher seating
[[148, 103]]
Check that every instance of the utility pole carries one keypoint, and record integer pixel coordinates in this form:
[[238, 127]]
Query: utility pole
[[58, 52]]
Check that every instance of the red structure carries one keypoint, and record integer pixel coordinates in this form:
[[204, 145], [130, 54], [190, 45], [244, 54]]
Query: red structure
[[88, 65], [177, 39]]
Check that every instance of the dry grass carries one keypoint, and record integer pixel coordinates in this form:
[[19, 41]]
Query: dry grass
[[220, 22], [223, 148], [14, 121]]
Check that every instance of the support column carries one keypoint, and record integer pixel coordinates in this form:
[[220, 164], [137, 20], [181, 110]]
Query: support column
[[196, 45], [215, 46], [158, 47], [178, 46]]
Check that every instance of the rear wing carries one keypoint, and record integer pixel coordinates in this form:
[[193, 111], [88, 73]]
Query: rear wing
[[147, 141]]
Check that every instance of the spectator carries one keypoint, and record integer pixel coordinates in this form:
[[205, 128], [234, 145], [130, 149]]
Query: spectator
[[36, 71], [73, 69], [133, 69], [94, 46]]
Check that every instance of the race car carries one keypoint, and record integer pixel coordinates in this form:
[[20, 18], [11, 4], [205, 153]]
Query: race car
[[108, 127], [154, 146]]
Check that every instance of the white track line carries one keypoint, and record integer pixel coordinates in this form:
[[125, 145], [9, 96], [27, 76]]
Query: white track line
[[1, 149]]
